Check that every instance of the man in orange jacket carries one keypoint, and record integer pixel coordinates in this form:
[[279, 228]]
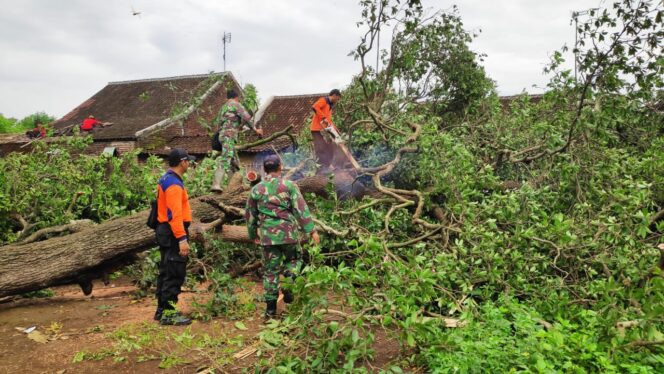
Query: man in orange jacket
[[325, 150], [174, 217]]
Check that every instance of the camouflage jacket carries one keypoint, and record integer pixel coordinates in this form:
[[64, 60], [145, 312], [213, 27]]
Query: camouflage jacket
[[276, 212], [231, 116]]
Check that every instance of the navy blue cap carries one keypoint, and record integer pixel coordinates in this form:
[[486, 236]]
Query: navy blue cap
[[177, 155], [271, 161]]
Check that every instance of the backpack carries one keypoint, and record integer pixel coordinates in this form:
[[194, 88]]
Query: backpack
[[152, 217], [152, 221], [215, 143]]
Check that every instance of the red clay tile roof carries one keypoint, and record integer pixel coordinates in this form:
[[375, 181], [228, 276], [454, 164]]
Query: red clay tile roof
[[135, 105], [280, 112], [195, 145]]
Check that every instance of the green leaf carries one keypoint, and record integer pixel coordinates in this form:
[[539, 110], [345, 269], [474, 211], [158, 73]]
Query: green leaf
[[410, 339]]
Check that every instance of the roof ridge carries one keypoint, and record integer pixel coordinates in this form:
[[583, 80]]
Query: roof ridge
[[521, 94], [301, 95], [193, 76]]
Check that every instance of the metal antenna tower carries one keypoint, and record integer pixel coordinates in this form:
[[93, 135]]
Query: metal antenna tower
[[575, 19], [226, 39], [380, 14]]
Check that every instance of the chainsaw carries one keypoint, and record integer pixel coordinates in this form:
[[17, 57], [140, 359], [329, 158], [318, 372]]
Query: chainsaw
[[331, 132]]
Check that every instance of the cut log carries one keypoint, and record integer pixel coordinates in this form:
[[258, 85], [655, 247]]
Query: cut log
[[103, 248], [72, 258], [235, 234]]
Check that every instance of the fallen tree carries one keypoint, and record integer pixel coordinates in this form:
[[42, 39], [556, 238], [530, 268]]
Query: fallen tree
[[94, 251]]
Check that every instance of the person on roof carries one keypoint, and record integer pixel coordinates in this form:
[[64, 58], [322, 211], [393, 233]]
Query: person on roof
[[38, 132], [231, 116], [91, 122], [174, 217], [322, 121]]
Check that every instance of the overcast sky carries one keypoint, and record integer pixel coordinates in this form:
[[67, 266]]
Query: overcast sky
[[56, 54]]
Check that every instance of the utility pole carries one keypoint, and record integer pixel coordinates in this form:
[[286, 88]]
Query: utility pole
[[226, 39], [380, 14], [575, 17]]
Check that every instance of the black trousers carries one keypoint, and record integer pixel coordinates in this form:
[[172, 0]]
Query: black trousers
[[328, 153], [324, 150], [172, 268]]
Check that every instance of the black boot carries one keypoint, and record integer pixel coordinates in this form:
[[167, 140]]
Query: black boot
[[171, 317], [271, 309], [86, 286], [288, 296], [288, 293], [158, 313]]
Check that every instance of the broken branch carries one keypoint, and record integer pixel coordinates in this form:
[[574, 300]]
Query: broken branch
[[284, 132], [71, 227]]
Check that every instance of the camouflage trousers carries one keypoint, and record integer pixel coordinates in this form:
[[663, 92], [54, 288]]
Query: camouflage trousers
[[225, 159], [286, 258]]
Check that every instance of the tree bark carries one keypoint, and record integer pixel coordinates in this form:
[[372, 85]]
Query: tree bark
[[95, 251], [72, 258]]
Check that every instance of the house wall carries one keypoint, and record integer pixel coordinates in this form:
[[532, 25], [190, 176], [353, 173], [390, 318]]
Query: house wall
[[97, 147], [248, 159]]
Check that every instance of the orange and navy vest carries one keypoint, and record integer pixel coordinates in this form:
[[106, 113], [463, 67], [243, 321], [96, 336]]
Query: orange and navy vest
[[173, 204]]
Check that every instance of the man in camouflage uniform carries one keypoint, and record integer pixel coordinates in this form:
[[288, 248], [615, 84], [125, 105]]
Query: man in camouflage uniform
[[276, 213], [231, 116]]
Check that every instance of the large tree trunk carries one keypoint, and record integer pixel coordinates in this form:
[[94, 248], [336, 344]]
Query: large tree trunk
[[100, 249], [72, 258]]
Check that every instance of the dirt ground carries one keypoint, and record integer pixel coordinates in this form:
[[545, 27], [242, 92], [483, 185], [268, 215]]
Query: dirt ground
[[74, 323]]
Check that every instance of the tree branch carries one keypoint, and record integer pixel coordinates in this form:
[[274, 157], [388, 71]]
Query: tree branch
[[72, 227], [284, 132], [329, 229], [415, 240]]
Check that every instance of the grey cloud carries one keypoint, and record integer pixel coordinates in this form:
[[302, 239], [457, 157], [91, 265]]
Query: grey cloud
[[56, 54]]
